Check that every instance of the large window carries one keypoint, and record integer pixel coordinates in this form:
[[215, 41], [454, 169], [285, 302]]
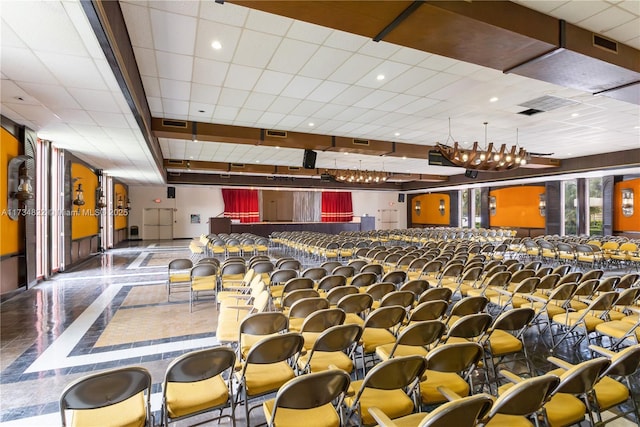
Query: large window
[[464, 210], [570, 212], [595, 206]]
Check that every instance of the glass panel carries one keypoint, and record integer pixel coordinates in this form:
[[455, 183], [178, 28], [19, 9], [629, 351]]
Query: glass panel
[[570, 193], [464, 220], [476, 196], [595, 206], [42, 183]]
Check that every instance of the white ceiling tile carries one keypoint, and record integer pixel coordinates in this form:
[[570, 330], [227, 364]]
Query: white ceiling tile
[[390, 71], [329, 111], [107, 75], [110, 120], [249, 115], [36, 114], [407, 80], [354, 68], [270, 119], [73, 71], [352, 95], [255, 49], [174, 89], [396, 102], [573, 11], [173, 66], [268, 22], [259, 101], [208, 72], [9, 37], [155, 105], [625, 32], [151, 86], [227, 13], [374, 99], [272, 82], [53, 96], [233, 97], [138, 24], [204, 93], [146, 60], [379, 49], [95, 100], [409, 56], [300, 87], [308, 108], [241, 77], [225, 113], [324, 62], [200, 110], [437, 63], [208, 32], [345, 41], [417, 105], [49, 28], [307, 32], [189, 8], [291, 56], [23, 66], [608, 19], [283, 104], [433, 84], [10, 92], [327, 91]]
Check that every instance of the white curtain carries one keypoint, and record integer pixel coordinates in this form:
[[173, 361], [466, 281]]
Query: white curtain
[[307, 206]]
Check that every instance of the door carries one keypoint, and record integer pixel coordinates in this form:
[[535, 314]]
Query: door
[[158, 224]]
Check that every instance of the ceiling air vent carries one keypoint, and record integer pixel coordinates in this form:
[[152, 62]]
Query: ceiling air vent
[[174, 174], [530, 112], [237, 165], [360, 142], [174, 123], [546, 103], [293, 168], [225, 175], [276, 133], [175, 162], [606, 44]]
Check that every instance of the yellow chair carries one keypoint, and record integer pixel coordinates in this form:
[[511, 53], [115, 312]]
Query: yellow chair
[[449, 365], [610, 392], [257, 326], [178, 274], [230, 318], [319, 321], [458, 411], [309, 398], [380, 328], [384, 387], [518, 402], [416, 339], [333, 347], [232, 274], [304, 307], [266, 367], [194, 384], [356, 306], [119, 397], [203, 279]]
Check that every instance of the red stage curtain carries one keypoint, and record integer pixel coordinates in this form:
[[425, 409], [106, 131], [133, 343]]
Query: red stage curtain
[[241, 204], [337, 207]]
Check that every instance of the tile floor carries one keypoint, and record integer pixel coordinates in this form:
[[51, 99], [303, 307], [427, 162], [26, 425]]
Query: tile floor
[[113, 312]]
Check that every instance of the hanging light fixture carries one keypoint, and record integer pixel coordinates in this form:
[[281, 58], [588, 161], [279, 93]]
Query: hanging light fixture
[[79, 199], [485, 159], [359, 176]]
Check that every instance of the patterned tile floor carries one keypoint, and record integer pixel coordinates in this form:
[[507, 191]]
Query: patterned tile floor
[[112, 312]]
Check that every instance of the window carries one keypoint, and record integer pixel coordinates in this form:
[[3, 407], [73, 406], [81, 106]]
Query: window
[[595, 206], [570, 203]]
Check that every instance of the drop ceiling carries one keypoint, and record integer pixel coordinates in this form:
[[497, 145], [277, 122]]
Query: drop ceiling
[[274, 72]]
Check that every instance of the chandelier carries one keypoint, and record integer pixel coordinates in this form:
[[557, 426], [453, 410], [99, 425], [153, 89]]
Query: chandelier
[[359, 176], [485, 159]]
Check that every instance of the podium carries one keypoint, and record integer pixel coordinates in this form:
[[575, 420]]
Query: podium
[[219, 225]]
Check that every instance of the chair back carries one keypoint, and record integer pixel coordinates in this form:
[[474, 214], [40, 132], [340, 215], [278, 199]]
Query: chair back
[[375, 268], [200, 365], [460, 412], [548, 281], [105, 389], [402, 298], [304, 307], [344, 270], [338, 338], [524, 398], [385, 317], [203, 270], [396, 373], [331, 281], [432, 294], [422, 333], [628, 280], [397, 277], [323, 319], [514, 320], [624, 363], [469, 305], [582, 377], [290, 264], [379, 290], [454, 357], [416, 286], [266, 323], [275, 348], [180, 264], [364, 279], [314, 273], [356, 303], [429, 310], [311, 391], [335, 294], [470, 326], [281, 276], [297, 283]]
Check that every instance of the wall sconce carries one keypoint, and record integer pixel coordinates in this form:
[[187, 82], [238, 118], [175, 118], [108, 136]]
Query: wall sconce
[[492, 205], [128, 204], [119, 202], [627, 201], [441, 207], [19, 181], [79, 199], [101, 201], [418, 207], [542, 204]]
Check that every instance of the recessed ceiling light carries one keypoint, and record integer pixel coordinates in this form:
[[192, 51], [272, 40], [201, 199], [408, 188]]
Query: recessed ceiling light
[[257, 161], [494, 99], [575, 115], [191, 157], [195, 140], [311, 124], [380, 77], [404, 157], [216, 45], [397, 134], [345, 153], [568, 154], [277, 147]]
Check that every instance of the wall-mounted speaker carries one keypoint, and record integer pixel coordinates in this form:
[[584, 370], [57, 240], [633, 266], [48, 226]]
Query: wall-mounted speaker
[[309, 159], [471, 174], [401, 198], [171, 192]]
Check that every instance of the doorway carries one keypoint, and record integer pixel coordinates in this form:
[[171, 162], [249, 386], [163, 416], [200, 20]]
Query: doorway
[[158, 224]]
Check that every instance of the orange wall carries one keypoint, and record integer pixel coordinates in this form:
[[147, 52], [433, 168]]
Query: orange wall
[[621, 222], [517, 207], [10, 240], [85, 223], [429, 213], [120, 219]]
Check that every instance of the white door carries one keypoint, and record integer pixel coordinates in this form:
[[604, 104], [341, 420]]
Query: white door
[[158, 224]]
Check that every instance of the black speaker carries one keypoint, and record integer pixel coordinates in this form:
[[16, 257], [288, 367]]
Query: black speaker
[[471, 174], [401, 198], [171, 192], [309, 159]]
